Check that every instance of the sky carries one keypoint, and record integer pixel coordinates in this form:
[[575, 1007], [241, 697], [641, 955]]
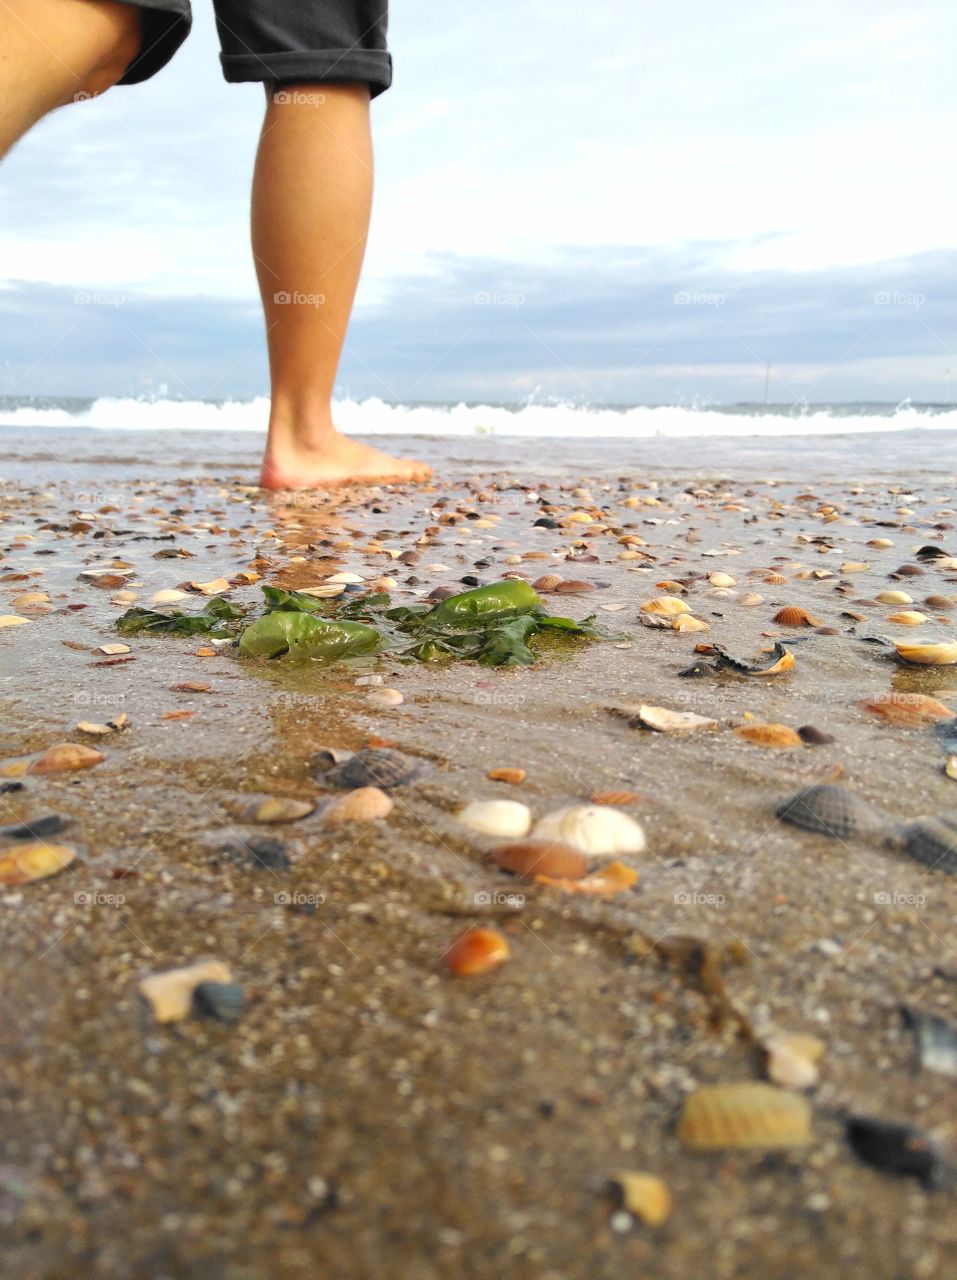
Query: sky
[[611, 203]]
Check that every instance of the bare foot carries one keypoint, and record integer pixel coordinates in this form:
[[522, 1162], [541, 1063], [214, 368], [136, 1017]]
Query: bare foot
[[339, 461]]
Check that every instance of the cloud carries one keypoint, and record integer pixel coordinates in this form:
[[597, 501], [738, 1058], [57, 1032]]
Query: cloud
[[618, 324]]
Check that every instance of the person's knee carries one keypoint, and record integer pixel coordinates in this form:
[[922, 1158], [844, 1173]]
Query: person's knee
[[121, 38]]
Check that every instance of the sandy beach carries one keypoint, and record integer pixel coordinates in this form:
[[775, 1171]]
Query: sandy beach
[[371, 1115]]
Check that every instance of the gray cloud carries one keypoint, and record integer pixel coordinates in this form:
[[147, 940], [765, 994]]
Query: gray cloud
[[611, 325]]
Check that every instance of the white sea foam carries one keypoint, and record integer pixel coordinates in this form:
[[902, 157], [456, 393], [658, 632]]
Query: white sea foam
[[374, 417]]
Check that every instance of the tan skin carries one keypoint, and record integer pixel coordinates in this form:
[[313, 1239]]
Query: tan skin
[[312, 195]]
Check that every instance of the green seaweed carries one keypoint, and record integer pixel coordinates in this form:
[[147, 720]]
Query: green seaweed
[[211, 620], [302, 635]]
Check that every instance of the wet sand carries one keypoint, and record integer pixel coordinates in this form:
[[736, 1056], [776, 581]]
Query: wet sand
[[371, 1115]]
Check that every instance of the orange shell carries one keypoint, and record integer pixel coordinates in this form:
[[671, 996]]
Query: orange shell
[[541, 858], [792, 615], [514, 776], [907, 708], [614, 797], [615, 878], [477, 951], [67, 757], [770, 735]]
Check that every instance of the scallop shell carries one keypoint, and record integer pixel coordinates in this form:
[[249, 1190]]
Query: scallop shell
[[832, 811], [574, 587], [548, 582], [744, 1115], [171, 993], [894, 597], [614, 797], [665, 606], [687, 623], [644, 1195], [34, 861], [528, 858], [929, 653], [932, 842], [67, 757], [362, 804], [770, 735], [938, 602], [515, 777], [278, 809], [775, 579], [907, 708], [595, 829], [907, 618], [721, 580], [375, 767], [503, 818], [477, 951], [792, 615]]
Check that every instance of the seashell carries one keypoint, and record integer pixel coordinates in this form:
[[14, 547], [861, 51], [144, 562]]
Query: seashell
[[363, 804], [31, 600], [894, 597], [744, 1115], [775, 579], [901, 1149], [375, 767], [665, 606], [102, 730], [814, 737], [645, 1196], [832, 811], [324, 590], [66, 757], [347, 579], [936, 1040], [664, 721], [938, 602], [950, 767], [615, 878], [907, 618], [578, 517], [932, 842], [477, 951], [597, 830], [909, 570], [111, 650], [676, 588], [505, 818], [35, 828], [34, 861], [792, 1059], [721, 580], [12, 620], [530, 858], [573, 586], [770, 735], [882, 543], [170, 994], [278, 809], [928, 653], [17, 768], [513, 776], [221, 1000], [907, 708], [614, 797], [170, 596], [687, 623], [190, 686], [781, 660], [793, 615], [548, 582], [752, 598], [215, 587], [854, 566], [386, 698]]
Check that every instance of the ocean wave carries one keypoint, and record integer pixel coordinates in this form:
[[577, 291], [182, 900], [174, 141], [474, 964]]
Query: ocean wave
[[376, 418]]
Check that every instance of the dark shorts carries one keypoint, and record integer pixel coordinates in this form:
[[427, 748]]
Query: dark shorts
[[276, 41]]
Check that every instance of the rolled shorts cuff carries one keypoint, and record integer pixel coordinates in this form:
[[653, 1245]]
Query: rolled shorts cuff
[[332, 65], [165, 25]]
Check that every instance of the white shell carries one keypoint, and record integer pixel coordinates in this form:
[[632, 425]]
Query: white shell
[[595, 829], [497, 817], [346, 578]]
